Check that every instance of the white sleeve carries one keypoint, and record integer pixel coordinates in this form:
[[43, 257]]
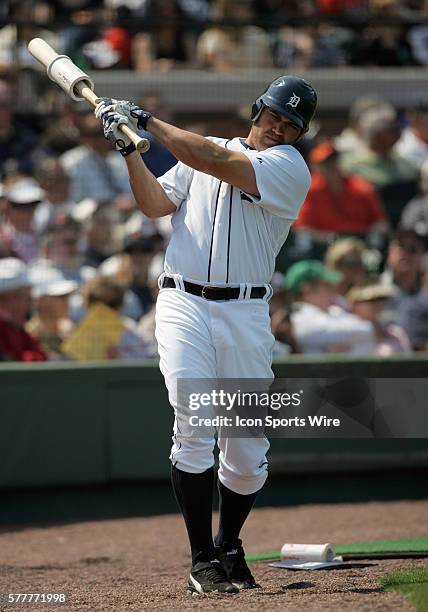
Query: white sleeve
[[176, 183], [283, 180]]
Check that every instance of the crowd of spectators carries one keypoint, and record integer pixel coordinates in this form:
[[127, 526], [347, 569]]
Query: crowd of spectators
[[356, 282], [220, 35], [79, 262], [72, 241]]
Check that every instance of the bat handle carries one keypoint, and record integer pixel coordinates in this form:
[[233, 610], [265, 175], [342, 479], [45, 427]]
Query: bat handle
[[141, 144]]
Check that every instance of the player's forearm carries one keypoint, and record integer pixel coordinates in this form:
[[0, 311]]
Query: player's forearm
[[149, 194], [192, 149]]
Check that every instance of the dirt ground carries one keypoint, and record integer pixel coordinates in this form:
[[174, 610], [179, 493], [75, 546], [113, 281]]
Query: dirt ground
[[142, 563]]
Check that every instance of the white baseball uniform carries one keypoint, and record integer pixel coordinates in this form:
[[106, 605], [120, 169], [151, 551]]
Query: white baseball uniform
[[225, 238]]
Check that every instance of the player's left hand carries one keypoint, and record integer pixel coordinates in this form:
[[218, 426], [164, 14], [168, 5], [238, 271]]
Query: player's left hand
[[113, 114], [136, 116], [112, 132]]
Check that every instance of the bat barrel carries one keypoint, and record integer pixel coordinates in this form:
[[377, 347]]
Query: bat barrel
[[78, 85], [41, 51], [67, 75], [60, 68]]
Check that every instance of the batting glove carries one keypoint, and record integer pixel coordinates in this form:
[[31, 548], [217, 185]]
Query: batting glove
[[113, 133], [116, 112], [137, 116]]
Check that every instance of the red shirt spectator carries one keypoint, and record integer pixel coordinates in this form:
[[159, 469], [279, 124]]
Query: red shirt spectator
[[352, 211], [15, 301], [337, 203], [17, 345], [120, 41]]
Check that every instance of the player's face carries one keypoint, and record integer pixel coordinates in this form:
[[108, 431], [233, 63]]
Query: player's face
[[273, 129]]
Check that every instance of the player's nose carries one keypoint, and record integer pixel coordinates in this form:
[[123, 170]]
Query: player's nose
[[278, 129]]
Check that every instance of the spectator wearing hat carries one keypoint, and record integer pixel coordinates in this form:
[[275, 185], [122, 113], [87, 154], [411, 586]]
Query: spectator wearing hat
[[50, 322], [16, 344], [394, 177], [403, 270], [55, 183], [338, 204], [346, 257], [413, 142], [413, 313], [61, 248], [94, 169], [368, 303], [18, 230], [319, 325]]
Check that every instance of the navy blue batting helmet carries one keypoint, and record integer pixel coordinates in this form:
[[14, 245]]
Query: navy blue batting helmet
[[291, 96]]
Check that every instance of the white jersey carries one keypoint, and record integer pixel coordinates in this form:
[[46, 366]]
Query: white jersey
[[222, 236]]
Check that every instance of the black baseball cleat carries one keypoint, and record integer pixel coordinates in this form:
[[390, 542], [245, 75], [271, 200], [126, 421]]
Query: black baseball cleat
[[232, 558], [209, 577]]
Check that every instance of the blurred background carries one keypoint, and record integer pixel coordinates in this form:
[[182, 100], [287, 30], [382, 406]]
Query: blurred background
[[66, 211], [79, 262]]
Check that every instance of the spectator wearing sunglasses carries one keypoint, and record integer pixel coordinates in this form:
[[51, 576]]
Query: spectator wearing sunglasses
[[403, 271], [368, 303], [61, 248]]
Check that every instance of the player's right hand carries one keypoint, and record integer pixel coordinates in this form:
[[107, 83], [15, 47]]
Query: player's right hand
[[136, 116], [112, 132]]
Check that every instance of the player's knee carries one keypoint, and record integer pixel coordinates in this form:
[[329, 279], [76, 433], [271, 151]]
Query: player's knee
[[193, 455], [243, 482]]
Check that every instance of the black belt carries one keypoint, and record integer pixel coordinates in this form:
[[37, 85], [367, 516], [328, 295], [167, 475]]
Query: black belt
[[212, 293]]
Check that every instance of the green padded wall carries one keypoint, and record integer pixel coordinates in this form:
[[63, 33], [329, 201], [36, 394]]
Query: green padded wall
[[69, 423]]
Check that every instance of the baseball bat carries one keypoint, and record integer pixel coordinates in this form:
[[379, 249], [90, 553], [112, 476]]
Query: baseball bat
[[78, 85]]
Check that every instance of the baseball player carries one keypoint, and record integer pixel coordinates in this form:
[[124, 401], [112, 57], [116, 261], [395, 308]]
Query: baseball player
[[232, 204]]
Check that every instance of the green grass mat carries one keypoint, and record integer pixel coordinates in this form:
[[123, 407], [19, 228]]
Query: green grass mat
[[405, 545], [411, 583]]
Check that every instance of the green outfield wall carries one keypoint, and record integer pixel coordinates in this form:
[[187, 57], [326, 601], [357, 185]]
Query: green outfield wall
[[94, 424]]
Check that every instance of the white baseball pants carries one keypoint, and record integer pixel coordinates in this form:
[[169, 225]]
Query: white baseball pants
[[198, 338]]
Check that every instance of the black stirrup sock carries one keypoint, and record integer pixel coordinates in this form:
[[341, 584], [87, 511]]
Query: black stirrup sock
[[194, 494], [234, 509]]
